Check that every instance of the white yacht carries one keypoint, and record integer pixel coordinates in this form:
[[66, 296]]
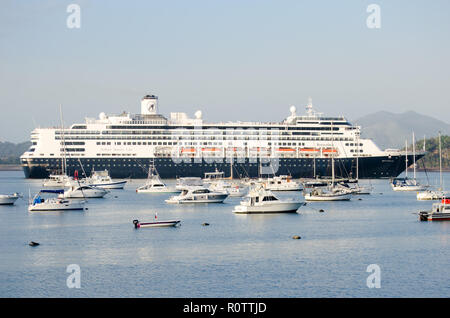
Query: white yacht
[[283, 183], [54, 204], [83, 192], [9, 199], [101, 179], [198, 194], [154, 184], [260, 200]]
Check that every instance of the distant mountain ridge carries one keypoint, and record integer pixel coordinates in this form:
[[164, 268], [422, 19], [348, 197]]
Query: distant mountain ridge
[[390, 130], [10, 152]]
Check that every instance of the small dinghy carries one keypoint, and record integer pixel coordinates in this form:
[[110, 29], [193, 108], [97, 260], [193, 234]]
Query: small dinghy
[[169, 223]]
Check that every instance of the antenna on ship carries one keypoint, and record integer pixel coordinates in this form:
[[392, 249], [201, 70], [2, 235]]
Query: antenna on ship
[[309, 107], [310, 110]]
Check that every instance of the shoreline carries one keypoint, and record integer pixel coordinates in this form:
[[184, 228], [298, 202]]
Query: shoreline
[[10, 167]]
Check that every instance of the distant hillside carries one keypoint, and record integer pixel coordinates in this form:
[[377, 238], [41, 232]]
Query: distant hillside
[[389, 130], [10, 153], [431, 159]]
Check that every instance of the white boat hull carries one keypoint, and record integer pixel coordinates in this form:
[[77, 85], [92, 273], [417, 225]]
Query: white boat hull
[[211, 198], [110, 186], [267, 207], [85, 194], [158, 190], [409, 188], [431, 195], [328, 197], [171, 223], [8, 199], [56, 206]]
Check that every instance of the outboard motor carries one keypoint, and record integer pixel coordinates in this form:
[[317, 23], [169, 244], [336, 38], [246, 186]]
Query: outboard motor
[[136, 224]]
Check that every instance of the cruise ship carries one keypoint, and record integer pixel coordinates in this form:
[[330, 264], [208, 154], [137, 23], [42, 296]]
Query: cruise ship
[[126, 145]]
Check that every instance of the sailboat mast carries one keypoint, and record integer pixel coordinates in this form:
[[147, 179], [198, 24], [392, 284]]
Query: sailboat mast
[[406, 158], [440, 163], [357, 158], [414, 155], [64, 163], [332, 155]]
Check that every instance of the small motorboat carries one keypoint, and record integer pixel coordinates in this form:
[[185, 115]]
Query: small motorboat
[[154, 184], [198, 194], [283, 183], [9, 199], [260, 200], [169, 223], [54, 204], [439, 212], [328, 194], [83, 192]]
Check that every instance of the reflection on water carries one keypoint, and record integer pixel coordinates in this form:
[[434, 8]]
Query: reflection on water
[[235, 256]]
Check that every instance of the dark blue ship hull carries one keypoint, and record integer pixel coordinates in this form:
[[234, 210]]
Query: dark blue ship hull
[[369, 167]]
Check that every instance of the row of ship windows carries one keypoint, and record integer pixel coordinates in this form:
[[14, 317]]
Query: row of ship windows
[[208, 138], [138, 143], [209, 131]]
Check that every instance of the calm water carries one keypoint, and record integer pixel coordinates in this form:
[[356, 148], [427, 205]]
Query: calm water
[[236, 256]]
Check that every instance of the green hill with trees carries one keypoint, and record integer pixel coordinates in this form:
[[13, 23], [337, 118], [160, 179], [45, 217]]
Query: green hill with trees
[[431, 159]]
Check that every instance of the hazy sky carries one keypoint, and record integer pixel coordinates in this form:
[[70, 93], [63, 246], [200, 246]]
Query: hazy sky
[[234, 60]]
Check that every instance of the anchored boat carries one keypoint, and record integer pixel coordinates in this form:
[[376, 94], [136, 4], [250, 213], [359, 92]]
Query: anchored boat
[[170, 223], [155, 185], [261, 200], [54, 204], [198, 194], [439, 211], [9, 199]]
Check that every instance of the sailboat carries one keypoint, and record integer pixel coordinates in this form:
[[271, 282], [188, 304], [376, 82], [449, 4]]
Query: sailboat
[[332, 192], [59, 180], [154, 184], [356, 188], [54, 204], [408, 184], [439, 193]]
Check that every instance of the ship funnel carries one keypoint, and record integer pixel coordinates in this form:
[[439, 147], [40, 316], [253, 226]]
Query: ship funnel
[[149, 105]]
